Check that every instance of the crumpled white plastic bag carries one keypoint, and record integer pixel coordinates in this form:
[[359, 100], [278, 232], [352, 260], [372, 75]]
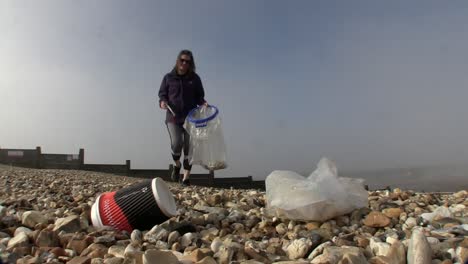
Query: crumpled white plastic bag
[[440, 212], [321, 196]]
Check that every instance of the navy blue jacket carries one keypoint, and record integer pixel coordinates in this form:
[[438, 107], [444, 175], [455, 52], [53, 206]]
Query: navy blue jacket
[[182, 93]]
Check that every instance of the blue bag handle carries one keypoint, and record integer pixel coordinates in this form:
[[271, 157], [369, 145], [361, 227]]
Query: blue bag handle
[[202, 122]]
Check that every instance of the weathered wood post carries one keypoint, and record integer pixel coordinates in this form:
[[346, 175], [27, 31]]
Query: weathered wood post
[[38, 158], [127, 163], [81, 158]]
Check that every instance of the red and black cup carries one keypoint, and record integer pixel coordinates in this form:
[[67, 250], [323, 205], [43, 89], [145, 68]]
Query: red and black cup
[[139, 206]]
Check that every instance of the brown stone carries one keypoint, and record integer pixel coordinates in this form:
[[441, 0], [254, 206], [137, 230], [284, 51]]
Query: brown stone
[[334, 254], [36, 252], [376, 219], [176, 246], [95, 250], [35, 234], [197, 255], [97, 253], [31, 218], [114, 260], [29, 260], [20, 240], [312, 226], [207, 260], [342, 221], [80, 260], [397, 253], [380, 260], [121, 236], [447, 261], [325, 234], [393, 212], [65, 238], [362, 242], [252, 253], [241, 256], [157, 256], [292, 262], [343, 242], [64, 259], [69, 224], [58, 251], [135, 257], [207, 251], [327, 226], [405, 196], [47, 238], [34, 260], [450, 225], [353, 259], [78, 245], [213, 200], [464, 243], [225, 255], [461, 194], [462, 254], [394, 196], [273, 249], [22, 251], [369, 230]]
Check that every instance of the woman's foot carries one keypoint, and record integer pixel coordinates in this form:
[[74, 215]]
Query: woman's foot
[[186, 182], [175, 175]]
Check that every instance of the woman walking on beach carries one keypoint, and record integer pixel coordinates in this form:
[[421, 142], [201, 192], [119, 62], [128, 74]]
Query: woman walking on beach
[[181, 90]]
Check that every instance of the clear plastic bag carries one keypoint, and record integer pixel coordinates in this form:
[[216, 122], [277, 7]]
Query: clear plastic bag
[[321, 196], [207, 146]]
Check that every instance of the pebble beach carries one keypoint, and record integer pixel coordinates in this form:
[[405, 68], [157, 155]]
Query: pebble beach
[[45, 218]]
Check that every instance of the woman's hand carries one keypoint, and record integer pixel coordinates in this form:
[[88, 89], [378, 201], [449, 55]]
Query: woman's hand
[[163, 105]]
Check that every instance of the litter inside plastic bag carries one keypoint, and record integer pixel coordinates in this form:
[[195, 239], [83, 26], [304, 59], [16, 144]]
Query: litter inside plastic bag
[[207, 146], [321, 196]]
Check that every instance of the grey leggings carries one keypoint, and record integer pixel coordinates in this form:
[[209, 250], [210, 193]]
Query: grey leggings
[[180, 140]]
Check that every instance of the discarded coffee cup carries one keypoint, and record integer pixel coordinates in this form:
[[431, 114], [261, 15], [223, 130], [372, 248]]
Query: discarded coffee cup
[[140, 206]]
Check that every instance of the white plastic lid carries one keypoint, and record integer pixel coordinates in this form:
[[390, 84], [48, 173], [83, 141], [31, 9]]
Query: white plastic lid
[[95, 216], [164, 197]]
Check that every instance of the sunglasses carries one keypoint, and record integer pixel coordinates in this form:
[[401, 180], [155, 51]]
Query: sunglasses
[[184, 61]]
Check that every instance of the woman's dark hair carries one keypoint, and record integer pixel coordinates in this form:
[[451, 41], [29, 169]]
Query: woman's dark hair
[[192, 67]]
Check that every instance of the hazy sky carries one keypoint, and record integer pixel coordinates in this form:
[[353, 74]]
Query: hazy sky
[[370, 84]]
